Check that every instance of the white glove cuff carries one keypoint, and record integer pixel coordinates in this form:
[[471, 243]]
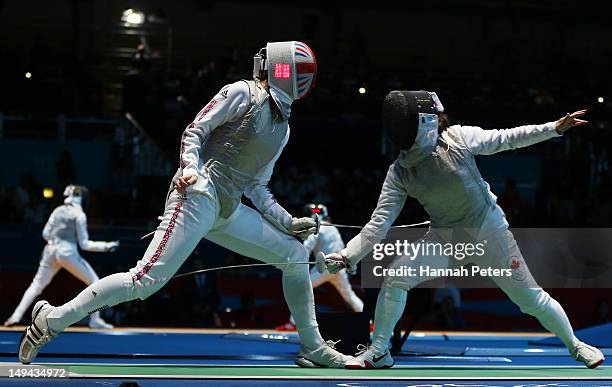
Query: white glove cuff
[[276, 223]]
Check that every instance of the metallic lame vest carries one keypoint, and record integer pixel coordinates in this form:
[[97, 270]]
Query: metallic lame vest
[[234, 156], [449, 186]]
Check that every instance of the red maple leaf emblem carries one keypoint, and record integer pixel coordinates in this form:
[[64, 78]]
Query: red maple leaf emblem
[[515, 264]]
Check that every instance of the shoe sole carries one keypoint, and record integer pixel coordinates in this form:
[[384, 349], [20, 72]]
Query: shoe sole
[[595, 365], [358, 367], [301, 361], [35, 314], [20, 342]]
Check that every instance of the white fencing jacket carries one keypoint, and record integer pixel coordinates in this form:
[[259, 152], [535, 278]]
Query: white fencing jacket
[[67, 225], [447, 183], [234, 143]]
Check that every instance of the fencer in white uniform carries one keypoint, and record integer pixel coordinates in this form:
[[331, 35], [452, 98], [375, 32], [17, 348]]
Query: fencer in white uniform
[[436, 166], [326, 241], [228, 150], [64, 232]]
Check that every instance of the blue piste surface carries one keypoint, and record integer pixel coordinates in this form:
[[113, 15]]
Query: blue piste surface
[[223, 349], [599, 336], [279, 349]]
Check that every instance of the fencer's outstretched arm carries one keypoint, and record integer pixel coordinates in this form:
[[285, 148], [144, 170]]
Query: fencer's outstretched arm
[[390, 203], [259, 193], [83, 237], [487, 142], [231, 102]]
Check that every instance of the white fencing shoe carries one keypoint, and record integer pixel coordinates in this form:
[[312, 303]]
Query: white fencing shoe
[[96, 322], [36, 335], [590, 356], [324, 356], [367, 358]]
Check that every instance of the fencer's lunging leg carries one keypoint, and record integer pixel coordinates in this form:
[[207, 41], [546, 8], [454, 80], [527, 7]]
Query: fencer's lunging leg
[[247, 233], [299, 296], [186, 219], [107, 292], [81, 269], [389, 309], [524, 291], [539, 304]]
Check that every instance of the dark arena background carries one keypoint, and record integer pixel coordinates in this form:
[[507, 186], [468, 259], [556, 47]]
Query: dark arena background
[[98, 93]]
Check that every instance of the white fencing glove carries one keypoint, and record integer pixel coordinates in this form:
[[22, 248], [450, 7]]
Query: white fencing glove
[[112, 246], [303, 227], [334, 263]]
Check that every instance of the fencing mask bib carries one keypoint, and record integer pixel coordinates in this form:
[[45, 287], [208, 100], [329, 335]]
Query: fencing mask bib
[[291, 69], [410, 123]]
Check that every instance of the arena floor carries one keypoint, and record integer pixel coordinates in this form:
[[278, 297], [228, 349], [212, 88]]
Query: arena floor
[[170, 357]]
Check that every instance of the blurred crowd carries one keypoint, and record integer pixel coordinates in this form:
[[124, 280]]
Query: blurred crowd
[[566, 196], [333, 156]]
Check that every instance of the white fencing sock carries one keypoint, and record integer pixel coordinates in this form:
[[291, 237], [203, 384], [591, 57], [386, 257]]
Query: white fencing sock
[[539, 304], [103, 294], [554, 319], [389, 309], [300, 300]]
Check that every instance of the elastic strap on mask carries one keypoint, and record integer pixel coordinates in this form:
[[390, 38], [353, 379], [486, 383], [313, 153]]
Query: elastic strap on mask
[[260, 64]]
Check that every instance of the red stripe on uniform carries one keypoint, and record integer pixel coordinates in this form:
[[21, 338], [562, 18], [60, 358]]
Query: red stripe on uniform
[[181, 161], [207, 109], [162, 245]]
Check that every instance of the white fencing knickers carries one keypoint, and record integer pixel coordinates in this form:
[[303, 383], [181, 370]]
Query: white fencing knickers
[[54, 258], [187, 219]]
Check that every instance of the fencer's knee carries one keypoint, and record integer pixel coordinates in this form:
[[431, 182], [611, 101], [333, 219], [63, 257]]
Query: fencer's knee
[[532, 301], [294, 267], [126, 285], [142, 293], [143, 289], [400, 283]]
